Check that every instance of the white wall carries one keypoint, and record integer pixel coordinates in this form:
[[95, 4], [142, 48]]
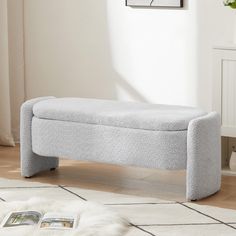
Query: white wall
[[104, 49]]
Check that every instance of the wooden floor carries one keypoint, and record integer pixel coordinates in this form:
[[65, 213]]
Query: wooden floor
[[168, 185]]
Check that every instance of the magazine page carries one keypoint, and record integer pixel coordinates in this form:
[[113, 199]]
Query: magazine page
[[58, 221], [20, 218]]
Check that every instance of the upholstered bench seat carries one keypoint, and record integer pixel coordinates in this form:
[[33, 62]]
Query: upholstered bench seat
[[124, 133], [119, 114]]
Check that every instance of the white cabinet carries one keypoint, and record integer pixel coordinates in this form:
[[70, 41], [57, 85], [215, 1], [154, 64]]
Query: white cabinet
[[224, 88]]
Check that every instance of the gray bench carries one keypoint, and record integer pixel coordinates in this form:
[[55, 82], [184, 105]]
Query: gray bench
[[124, 133]]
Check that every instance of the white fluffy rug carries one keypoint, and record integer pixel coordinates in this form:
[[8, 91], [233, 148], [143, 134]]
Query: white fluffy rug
[[95, 219]]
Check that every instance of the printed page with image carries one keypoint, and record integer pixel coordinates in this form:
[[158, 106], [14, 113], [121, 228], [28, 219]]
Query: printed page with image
[[50, 220], [58, 221]]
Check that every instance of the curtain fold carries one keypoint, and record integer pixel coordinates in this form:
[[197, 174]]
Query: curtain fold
[[6, 137], [11, 69]]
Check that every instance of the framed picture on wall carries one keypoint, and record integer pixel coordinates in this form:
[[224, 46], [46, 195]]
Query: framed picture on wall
[[155, 3]]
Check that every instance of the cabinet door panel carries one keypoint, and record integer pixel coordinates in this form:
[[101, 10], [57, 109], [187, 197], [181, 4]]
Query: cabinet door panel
[[224, 89], [228, 98]]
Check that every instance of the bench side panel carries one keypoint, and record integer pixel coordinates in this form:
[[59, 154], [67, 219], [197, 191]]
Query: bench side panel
[[204, 157], [31, 163]]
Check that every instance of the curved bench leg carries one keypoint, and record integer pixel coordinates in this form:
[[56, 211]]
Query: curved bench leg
[[32, 163], [203, 157]]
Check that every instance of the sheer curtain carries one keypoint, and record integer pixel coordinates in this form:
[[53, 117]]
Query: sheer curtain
[[11, 69]]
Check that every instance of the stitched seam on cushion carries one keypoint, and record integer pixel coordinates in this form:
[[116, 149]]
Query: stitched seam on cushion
[[115, 126]]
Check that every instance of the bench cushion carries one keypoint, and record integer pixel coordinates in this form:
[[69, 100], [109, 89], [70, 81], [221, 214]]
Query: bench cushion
[[116, 113]]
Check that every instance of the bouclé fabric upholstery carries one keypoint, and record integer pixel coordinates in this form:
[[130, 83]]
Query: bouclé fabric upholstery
[[124, 133]]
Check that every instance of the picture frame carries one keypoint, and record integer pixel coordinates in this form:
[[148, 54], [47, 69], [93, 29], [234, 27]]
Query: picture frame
[[155, 3]]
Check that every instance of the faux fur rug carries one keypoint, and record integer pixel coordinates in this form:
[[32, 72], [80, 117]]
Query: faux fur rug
[[94, 219]]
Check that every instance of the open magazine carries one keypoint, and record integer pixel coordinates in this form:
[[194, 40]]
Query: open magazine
[[50, 220]]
